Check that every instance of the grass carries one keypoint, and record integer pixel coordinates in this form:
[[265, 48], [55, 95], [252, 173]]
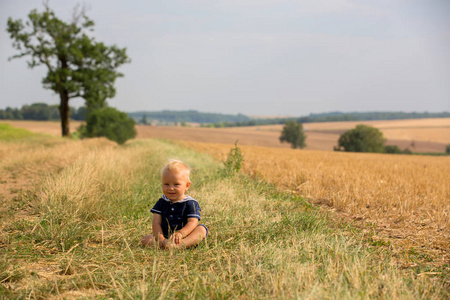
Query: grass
[[8, 133], [77, 234], [43, 127]]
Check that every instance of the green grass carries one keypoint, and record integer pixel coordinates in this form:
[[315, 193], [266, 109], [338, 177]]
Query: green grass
[[8, 133], [81, 238]]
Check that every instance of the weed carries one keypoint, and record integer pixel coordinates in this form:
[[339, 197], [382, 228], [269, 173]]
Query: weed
[[416, 255], [9, 272], [234, 161], [378, 243]]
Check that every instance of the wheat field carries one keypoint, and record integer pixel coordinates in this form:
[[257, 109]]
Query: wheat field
[[406, 198]]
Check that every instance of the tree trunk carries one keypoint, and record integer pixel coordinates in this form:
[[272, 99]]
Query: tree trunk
[[64, 111]]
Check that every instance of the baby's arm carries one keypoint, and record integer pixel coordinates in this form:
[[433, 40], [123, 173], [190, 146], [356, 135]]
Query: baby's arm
[[185, 231], [157, 230]]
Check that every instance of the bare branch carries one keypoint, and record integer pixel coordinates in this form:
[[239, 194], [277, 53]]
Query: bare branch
[[78, 12], [46, 4]]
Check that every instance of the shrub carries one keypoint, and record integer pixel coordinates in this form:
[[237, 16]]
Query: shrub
[[392, 149], [110, 123], [407, 151], [447, 149]]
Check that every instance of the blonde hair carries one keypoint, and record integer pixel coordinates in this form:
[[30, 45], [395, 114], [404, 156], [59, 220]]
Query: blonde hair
[[176, 166]]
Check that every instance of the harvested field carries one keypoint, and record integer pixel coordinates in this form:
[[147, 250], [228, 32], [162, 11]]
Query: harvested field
[[212, 135], [406, 198], [422, 135]]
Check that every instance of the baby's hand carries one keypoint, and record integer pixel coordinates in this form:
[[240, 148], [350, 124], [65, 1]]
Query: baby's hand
[[176, 237]]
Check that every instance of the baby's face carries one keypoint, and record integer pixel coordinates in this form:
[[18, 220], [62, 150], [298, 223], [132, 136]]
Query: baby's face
[[175, 185]]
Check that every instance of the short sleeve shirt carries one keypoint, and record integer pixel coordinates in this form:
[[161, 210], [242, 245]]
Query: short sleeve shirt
[[175, 214]]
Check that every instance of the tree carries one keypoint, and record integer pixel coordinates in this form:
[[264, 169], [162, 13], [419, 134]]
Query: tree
[[79, 114], [110, 123], [144, 120], [39, 111], [78, 66], [293, 134], [447, 149], [363, 138]]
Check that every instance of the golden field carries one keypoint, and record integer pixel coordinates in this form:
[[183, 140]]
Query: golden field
[[405, 197]]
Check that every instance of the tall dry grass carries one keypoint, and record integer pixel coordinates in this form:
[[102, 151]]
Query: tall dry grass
[[24, 162], [39, 153], [408, 197]]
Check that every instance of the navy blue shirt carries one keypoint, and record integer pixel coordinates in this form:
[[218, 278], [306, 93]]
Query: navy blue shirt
[[175, 214]]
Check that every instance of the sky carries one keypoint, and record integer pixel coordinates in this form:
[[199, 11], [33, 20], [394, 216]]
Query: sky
[[256, 57]]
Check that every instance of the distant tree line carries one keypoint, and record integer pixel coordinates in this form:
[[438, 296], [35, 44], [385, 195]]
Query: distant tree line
[[189, 116], [335, 117], [376, 115], [40, 112]]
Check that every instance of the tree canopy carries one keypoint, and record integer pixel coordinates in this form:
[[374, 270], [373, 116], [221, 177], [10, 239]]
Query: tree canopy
[[78, 66], [293, 133], [363, 138]]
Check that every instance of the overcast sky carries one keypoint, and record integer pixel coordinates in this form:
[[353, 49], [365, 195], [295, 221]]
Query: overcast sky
[[257, 57]]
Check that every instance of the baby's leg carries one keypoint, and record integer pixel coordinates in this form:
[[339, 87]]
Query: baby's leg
[[195, 237], [147, 240]]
